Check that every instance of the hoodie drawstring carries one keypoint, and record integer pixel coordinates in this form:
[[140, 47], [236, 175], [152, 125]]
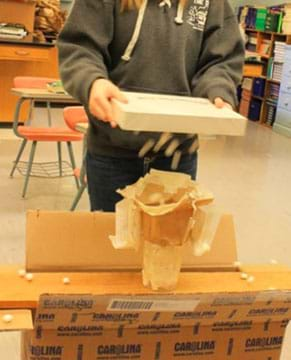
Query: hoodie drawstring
[[180, 13], [131, 45], [165, 2], [128, 51]]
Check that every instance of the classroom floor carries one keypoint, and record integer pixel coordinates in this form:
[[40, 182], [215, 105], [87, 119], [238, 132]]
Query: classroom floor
[[250, 177]]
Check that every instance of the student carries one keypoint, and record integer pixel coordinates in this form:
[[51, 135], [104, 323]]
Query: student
[[187, 47]]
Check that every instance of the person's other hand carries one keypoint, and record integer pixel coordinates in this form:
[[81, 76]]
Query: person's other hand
[[102, 91], [220, 103]]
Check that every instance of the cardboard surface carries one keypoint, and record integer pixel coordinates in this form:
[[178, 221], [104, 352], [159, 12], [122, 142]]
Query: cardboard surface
[[79, 241], [110, 315], [21, 319], [176, 114], [220, 326]]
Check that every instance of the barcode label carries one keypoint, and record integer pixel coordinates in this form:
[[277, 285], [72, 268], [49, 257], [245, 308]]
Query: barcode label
[[152, 305]]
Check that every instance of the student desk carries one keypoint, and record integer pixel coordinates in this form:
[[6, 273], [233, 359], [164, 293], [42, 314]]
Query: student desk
[[37, 95]]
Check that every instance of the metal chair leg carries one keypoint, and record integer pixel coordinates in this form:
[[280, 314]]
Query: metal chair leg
[[30, 113], [22, 146], [78, 197], [29, 167], [59, 145], [73, 163], [49, 113]]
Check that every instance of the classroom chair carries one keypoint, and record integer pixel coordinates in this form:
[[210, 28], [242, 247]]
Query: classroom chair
[[36, 134], [74, 115]]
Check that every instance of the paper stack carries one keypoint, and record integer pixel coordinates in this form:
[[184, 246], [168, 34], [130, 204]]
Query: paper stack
[[279, 53], [12, 31]]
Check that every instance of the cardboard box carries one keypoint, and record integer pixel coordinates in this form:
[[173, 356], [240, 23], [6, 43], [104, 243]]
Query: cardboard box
[[102, 315], [244, 326], [79, 241], [176, 114]]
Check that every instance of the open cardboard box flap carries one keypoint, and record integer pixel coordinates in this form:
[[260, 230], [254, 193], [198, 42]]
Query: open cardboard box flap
[[20, 320], [79, 241]]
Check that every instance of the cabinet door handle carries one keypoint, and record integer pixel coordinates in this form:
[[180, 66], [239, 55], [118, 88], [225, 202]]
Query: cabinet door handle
[[22, 52]]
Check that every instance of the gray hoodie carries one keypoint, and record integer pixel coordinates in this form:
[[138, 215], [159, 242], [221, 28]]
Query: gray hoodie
[[165, 48]]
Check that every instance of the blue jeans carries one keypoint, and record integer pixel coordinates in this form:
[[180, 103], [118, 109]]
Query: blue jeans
[[107, 174]]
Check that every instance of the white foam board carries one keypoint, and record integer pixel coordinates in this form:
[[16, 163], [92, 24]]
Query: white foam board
[[179, 114]]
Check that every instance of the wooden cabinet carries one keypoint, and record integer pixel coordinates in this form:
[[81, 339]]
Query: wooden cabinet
[[22, 60], [23, 53]]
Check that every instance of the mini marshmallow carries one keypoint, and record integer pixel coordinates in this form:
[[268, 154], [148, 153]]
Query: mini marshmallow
[[7, 318], [237, 263], [66, 280], [21, 272], [273, 262], [251, 279], [244, 276], [29, 276]]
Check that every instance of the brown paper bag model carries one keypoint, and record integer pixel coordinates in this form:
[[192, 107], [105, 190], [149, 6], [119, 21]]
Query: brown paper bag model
[[161, 212]]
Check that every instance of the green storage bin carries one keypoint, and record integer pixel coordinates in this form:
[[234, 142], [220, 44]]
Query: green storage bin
[[272, 22], [261, 19]]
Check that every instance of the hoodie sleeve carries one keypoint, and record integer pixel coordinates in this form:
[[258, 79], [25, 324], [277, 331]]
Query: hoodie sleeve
[[83, 46], [221, 60]]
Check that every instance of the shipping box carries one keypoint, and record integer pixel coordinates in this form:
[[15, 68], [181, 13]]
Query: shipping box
[[176, 114], [245, 326], [108, 314]]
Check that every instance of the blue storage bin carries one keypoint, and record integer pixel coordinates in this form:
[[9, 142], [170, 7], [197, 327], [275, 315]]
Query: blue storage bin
[[255, 110], [259, 87]]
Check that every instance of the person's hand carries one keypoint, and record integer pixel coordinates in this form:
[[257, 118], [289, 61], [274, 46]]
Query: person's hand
[[102, 91], [220, 103]]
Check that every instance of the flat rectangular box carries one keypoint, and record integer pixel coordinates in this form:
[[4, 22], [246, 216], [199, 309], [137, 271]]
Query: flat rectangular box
[[213, 326], [176, 114]]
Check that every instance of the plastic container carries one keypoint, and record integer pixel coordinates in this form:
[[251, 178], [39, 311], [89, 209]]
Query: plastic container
[[161, 266]]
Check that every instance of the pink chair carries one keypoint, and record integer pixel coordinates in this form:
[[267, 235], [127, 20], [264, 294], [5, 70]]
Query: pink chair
[[74, 115], [35, 134]]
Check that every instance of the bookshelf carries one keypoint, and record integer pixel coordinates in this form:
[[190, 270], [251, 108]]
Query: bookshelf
[[262, 75]]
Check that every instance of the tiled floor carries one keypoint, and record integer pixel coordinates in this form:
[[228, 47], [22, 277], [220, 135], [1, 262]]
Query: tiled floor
[[250, 177]]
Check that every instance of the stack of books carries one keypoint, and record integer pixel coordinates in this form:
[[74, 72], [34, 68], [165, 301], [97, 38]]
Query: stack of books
[[250, 20], [274, 92], [279, 53], [265, 47], [271, 103], [271, 109], [266, 18], [252, 43]]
